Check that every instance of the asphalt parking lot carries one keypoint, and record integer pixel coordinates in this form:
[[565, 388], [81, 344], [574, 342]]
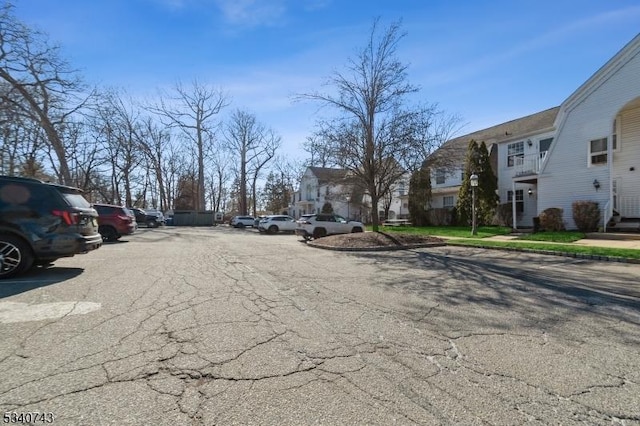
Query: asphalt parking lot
[[229, 326]]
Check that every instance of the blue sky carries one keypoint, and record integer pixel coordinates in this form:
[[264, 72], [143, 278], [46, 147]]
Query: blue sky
[[487, 62]]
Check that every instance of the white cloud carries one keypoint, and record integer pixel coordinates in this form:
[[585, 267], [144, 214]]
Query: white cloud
[[252, 13]]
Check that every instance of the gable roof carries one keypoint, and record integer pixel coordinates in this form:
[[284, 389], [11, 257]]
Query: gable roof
[[453, 152], [624, 55], [325, 174]]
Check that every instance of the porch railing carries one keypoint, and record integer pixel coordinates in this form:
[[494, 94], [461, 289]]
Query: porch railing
[[529, 164], [608, 214], [628, 206]]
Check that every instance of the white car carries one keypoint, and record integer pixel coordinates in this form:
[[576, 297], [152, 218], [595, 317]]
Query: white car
[[275, 223], [242, 221], [320, 225]]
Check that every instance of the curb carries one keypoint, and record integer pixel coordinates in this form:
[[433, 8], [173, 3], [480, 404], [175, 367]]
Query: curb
[[556, 253], [512, 249], [375, 248]]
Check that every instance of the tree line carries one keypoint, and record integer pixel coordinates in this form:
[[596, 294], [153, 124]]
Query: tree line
[[177, 153], [171, 153]]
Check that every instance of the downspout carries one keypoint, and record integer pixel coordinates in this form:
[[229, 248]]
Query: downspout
[[513, 204], [609, 208]]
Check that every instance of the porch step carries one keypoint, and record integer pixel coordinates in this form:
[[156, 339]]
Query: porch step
[[625, 226]]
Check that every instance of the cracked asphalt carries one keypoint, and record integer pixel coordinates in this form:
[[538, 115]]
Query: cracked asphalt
[[217, 326]]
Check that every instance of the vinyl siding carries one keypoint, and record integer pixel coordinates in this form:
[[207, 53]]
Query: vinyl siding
[[567, 176]]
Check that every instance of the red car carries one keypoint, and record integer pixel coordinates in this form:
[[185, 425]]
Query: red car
[[115, 221]]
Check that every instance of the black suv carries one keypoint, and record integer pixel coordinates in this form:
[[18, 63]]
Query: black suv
[[41, 222], [150, 219]]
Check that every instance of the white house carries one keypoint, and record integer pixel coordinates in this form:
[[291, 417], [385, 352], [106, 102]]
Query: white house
[[588, 148], [320, 185]]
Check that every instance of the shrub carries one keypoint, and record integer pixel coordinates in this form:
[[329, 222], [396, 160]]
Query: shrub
[[327, 208], [504, 215], [586, 215], [551, 219], [439, 217]]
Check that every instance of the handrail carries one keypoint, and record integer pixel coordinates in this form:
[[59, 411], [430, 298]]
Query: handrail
[[608, 213]]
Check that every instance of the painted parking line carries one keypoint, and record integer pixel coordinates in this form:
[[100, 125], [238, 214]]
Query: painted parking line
[[11, 312]]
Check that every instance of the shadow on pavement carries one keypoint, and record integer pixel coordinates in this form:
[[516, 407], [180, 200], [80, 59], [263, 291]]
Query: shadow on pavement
[[35, 278], [527, 289]]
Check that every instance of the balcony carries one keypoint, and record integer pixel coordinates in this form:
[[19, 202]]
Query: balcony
[[529, 164]]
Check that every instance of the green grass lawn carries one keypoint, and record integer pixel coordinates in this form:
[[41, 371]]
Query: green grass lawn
[[549, 241], [556, 237], [565, 248], [448, 231]]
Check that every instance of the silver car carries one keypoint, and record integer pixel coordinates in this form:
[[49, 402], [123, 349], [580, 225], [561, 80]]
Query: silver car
[[242, 221], [275, 223]]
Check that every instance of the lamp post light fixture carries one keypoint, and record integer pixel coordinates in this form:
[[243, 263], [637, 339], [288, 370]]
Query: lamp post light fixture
[[348, 197], [473, 179]]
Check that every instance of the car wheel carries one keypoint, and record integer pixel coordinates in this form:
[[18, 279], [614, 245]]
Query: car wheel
[[273, 229], [356, 229], [108, 233], [319, 233], [240, 225], [15, 256], [152, 224]]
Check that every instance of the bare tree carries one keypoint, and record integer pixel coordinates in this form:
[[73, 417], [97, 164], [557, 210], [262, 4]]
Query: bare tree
[[375, 134], [219, 179], [320, 154], [83, 153], [42, 85], [254, 146], [155, 143], [120, 126], [192, 111]]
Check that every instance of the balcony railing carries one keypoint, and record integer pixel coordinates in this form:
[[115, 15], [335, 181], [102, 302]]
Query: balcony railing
[[529, 164]]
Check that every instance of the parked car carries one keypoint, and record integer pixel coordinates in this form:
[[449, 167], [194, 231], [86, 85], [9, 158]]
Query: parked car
[[273, 224], [115, 221], [42, 222], [320, 225], [149, 218], [242, 221], [155, 218], [257, 220]]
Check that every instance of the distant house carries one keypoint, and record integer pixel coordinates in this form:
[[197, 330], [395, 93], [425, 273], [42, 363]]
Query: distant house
[[588, 148], [320, 185]]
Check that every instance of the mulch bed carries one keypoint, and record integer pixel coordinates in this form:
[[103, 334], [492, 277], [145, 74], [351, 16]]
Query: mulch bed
[[375, 241]]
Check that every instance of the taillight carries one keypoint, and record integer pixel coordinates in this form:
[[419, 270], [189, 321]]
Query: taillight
[[125, 218], [68, 217]]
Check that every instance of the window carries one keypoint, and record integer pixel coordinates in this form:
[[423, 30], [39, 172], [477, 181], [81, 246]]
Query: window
[[440, 176], [401, 188], [447, 201], [519, 200], [545, 144], [598, 152], [514, 151]]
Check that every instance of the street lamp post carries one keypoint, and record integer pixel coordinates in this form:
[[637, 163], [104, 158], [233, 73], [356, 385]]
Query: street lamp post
[[473, 179], [348, 197]]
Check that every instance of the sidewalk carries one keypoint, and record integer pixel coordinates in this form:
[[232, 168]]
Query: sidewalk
[[633, 241]]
